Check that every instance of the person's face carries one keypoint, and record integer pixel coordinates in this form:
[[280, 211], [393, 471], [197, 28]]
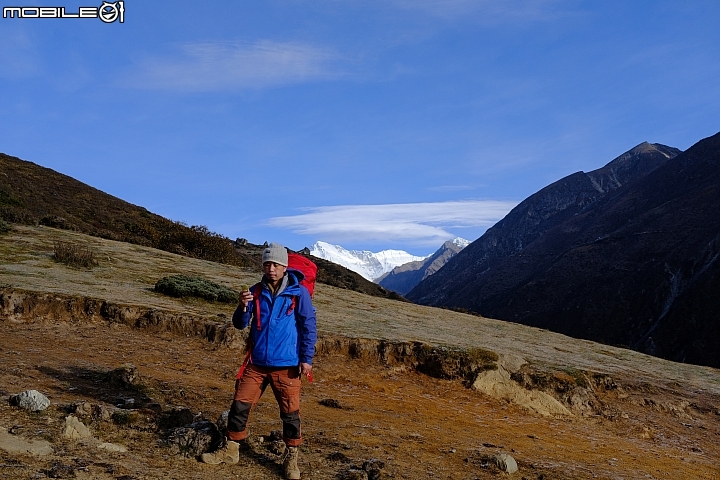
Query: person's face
[[273, 271]]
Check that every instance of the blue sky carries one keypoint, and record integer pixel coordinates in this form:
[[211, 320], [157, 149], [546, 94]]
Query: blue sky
[[372, 124]]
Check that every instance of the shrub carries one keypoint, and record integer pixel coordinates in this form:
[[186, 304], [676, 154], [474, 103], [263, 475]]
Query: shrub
[[181, 286], [4, 226], [74, 255]]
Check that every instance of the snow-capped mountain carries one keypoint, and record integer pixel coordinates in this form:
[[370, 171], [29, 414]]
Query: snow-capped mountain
[[460, 242], [402, 279], [368, 264]]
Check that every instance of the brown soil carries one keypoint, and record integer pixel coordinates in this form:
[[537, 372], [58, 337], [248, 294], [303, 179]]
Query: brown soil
[[648, 418]]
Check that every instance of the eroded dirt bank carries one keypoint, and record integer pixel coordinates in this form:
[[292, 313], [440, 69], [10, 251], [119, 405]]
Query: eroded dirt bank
[[418, 425]]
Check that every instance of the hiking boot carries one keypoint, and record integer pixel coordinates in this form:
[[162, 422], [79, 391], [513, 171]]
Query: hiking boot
[[230, 453], [290, 467]]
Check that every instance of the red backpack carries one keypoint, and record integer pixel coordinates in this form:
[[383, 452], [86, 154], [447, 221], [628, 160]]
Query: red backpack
[[307, 267]]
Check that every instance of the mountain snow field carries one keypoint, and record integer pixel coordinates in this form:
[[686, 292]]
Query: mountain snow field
[[366, 263]]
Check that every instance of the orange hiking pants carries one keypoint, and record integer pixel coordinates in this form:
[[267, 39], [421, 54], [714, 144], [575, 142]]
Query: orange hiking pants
[[285, 383]]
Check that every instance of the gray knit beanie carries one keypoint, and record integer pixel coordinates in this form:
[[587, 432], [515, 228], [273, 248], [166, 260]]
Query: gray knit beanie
[[275, 253]]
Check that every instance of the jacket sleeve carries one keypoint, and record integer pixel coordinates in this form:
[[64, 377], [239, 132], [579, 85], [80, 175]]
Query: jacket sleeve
[[307, 329], [242, 319]]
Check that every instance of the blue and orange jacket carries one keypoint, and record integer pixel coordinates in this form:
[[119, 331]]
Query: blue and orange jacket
[[286, 333]]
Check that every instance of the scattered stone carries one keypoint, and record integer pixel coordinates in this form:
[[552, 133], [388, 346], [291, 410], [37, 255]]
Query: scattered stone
[[154, 407], [195, 439], [83, 409], [373, 467], [87, 409], [338, 457], [125, 376], [15, 444], [582, 400], [31, 400], [177, 417], [355, 474], [125, 417], [126, 403], [112, 447], [222, 421], [75, 429], [277, 447], [15, 429], [59, 470], [330, 402], [102, 412], [505, 462]]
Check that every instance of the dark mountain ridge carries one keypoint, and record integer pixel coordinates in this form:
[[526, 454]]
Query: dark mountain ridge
[[402, 279], [539, 213], [637, 267]]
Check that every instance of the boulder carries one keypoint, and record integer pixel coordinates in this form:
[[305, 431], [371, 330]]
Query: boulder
[[15, 444], [195, 439], [505, 462], [75, 429], [125, 376], [31, 400]]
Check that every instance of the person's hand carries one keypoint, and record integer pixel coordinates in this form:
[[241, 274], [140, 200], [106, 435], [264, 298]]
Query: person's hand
[[245, 298], [305, 369]]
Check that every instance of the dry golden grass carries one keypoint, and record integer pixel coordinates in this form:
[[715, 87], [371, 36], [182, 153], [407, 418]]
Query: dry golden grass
[[411, 421]]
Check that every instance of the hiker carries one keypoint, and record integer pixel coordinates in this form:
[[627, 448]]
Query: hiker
[[281, 317]]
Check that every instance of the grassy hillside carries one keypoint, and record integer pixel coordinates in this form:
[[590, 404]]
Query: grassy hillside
[[64, 330], [35, 195]]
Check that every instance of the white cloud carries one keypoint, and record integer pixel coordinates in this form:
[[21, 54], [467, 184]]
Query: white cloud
[[222, 66], [487, 11], [420, 223]]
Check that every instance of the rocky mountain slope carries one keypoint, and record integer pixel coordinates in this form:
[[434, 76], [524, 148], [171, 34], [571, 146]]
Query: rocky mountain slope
[[400, 391], [402, 279], [611, 256]]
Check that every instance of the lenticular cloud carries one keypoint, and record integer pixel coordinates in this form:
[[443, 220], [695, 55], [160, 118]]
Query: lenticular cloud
[[423, 222]]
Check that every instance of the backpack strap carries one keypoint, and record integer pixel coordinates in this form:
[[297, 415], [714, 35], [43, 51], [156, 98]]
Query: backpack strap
[[292, 305], [248, 359], [257, 290]]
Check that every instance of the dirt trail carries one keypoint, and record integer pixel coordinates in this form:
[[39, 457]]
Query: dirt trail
[[650, 419], [410, 421]]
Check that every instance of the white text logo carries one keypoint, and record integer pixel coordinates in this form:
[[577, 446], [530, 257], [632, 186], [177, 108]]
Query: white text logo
[[107, 12]]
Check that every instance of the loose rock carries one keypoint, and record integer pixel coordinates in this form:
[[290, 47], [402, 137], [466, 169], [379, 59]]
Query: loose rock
[[177, 417], [112, 447], [75, 429], [505, 462], [125, 376], [195, 439], [59, 470], [15, 444], [222, 421], [374, 467], [330, 402], [355, 474], [31, 400]]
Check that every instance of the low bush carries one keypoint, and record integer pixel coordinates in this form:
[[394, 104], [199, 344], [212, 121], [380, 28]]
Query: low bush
[[4, 226], [74, 255], [182, 286]]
